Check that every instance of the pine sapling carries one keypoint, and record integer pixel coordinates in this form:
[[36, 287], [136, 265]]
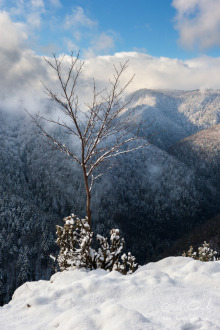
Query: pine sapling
[[205, 253]]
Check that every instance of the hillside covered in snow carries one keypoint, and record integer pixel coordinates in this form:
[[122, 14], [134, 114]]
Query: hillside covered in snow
[[174, 114], [172, 294], [155, 196]]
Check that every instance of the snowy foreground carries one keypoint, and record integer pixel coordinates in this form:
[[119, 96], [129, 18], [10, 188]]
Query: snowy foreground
[[174, 293]]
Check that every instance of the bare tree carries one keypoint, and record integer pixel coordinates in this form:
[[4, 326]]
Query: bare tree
[[102, 129]]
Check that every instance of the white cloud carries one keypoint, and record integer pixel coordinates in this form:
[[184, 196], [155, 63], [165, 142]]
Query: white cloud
[[198, 22], [101, 44], [158, 72], [78, 18], [22, 71], [70, 45], [29, 12], [83, 27], [56, 3], [37, 3], [34, 20], [12, 34]]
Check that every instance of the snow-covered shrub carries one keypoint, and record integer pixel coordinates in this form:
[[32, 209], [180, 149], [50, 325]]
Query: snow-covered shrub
[[75, 240], [108, 256], [189, 253], [205, 253]]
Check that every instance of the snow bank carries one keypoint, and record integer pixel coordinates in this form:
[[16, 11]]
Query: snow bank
[[174, 293]]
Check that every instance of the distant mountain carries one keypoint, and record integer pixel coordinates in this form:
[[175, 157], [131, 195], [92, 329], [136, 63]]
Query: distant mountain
[[202, 147], [174, 115]]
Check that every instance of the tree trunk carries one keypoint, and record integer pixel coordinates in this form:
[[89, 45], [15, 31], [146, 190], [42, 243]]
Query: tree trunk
[[88, 196]]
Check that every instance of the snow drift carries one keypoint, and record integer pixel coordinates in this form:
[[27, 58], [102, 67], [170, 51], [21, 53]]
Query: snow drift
[[174, 293]]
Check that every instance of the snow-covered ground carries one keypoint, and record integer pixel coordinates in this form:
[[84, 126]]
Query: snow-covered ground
[[174, 293]]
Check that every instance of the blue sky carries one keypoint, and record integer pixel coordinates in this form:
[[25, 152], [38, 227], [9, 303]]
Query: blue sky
[[173, 29]]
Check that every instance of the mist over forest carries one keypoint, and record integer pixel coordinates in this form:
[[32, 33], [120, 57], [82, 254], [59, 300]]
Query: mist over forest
[[156, 195]]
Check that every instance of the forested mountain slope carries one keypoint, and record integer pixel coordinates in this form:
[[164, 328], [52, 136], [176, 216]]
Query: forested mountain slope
[[153, 196], [208, 231], [174, 115], [200, 149], [201, 153]]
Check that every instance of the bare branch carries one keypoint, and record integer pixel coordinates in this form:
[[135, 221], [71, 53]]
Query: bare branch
[[104, 132], [55, 143]]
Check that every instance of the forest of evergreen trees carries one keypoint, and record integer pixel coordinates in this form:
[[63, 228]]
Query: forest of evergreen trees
[[152, 196]]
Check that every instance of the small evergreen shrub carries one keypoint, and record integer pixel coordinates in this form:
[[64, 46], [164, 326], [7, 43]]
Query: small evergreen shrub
[[205, 253], [75, 241]]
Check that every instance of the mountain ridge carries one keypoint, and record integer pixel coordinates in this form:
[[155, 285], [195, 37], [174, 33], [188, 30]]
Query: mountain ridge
[[153, 196]]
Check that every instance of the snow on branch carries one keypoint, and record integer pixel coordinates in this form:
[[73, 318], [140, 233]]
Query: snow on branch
[[75, 241]]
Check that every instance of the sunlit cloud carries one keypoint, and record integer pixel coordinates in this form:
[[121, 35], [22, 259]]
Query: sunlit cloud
[[198, 23], [22, 70], [159, 72]]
